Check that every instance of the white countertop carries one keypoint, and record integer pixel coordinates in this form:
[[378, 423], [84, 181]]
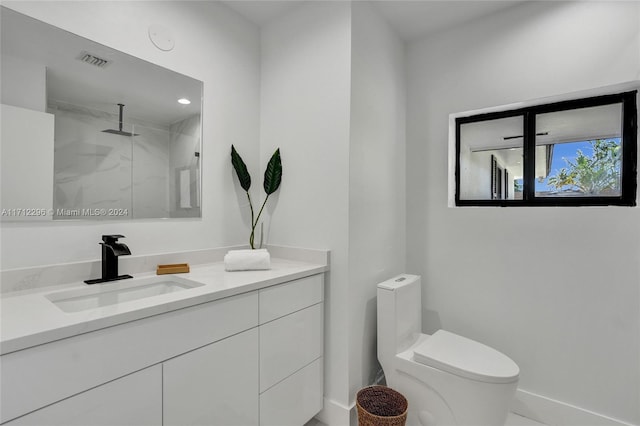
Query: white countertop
[[30, 319]]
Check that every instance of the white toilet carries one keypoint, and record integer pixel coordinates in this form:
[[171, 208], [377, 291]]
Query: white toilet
[[447, 379]]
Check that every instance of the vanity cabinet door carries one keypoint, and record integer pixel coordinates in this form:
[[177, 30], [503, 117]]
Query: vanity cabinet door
[[135, 399], [214, 385], [295, 400], [289, 343]]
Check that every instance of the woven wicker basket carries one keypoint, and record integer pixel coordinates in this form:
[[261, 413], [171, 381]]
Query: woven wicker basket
[[381, 406]]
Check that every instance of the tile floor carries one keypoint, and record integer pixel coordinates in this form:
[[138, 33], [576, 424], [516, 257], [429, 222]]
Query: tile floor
[[512, 420]]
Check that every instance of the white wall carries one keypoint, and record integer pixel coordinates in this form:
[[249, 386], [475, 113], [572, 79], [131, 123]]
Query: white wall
[[305, 89], [28, 83], [27, 167], [557, 289], [212, 44], [475, 176], [377, 212], [333, 100]]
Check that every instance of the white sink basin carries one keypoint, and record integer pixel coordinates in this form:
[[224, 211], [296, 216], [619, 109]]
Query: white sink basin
[[100, 295]]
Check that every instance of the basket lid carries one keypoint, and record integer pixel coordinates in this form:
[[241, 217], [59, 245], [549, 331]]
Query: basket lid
[[466, 358]]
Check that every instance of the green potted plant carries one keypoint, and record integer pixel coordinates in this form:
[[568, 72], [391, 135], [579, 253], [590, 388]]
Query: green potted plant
[[254, 258]]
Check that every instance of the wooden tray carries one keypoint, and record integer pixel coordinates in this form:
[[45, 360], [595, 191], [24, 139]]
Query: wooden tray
[[175, 268]]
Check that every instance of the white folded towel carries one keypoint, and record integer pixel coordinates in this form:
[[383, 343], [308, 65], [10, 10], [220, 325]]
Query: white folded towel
[[247, 260]]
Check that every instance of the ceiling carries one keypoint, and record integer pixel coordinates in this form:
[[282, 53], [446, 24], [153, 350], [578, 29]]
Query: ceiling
[[261, 12], [410, 19], [417, 19], [153, 99]]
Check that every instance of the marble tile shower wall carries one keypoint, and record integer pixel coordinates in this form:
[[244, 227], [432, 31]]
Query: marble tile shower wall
[[94, 170]]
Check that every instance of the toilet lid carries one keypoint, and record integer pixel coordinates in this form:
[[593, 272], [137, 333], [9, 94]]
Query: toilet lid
[[465, 357]]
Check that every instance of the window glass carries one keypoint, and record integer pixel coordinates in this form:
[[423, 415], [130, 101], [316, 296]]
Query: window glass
[[583, 152], [491, 159], [577, 152]]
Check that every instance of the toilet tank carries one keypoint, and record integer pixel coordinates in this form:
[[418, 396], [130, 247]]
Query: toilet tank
[[399, 315]]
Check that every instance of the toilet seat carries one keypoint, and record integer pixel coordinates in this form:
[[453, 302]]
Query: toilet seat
[[466, 358]]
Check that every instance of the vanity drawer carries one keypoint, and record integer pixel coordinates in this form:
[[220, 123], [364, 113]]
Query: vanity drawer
[[41, 375], [135, 399], [289, 297], [295, 400], [213, 385], [289, 343]]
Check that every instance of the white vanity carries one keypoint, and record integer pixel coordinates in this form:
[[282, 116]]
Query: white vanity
[[238, 348]]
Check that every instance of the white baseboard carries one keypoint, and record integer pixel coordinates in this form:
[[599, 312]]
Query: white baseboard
[[336, 414], [527, 404], [556, 413]]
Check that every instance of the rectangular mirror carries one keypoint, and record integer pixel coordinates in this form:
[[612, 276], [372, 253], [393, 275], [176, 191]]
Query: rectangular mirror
[[92, 133]]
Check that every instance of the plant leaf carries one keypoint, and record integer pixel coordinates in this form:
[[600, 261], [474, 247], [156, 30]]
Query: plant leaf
[[273, 173], [241, 169]]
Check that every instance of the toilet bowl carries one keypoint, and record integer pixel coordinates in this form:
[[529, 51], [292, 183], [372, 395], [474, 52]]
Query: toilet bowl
[[446, 378]]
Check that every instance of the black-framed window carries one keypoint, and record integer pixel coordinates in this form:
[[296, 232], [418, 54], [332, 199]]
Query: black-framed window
[[580, 152]]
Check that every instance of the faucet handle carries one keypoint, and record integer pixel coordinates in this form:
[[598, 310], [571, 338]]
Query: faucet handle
[[108, 239]]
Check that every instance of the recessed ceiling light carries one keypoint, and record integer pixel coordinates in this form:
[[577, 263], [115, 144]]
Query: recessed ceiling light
[[184, 101]]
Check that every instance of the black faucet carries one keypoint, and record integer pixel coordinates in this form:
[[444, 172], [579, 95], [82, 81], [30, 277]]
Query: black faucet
[[111, 249]]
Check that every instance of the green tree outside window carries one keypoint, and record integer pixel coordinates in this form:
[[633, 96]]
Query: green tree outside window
[[593, 175]]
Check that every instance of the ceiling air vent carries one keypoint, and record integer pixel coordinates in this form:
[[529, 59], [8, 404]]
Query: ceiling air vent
[[94, 60]]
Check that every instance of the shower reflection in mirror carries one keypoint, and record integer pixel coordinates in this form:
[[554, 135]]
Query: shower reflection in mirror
[[130, 169], [126, 136]]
